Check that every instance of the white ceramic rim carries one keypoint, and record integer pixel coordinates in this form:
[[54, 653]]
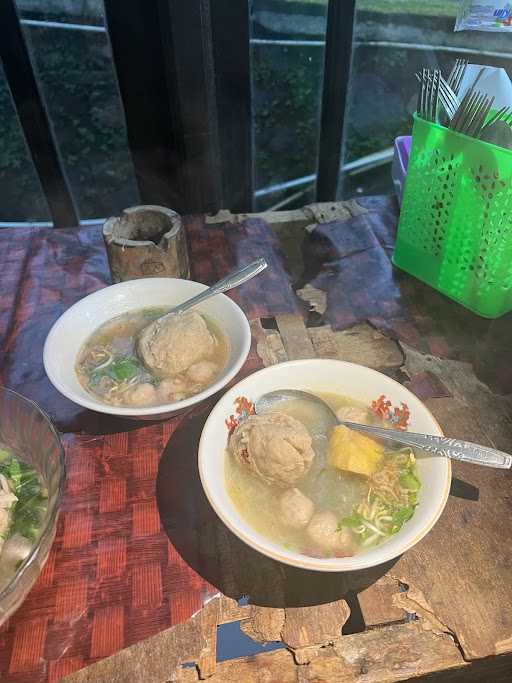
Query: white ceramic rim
[[162, 408], [356, 562]]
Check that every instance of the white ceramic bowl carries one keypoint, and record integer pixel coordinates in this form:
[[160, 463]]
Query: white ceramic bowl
[[73, 328], [360, 383]]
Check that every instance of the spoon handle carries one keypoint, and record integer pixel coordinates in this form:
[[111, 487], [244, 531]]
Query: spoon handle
[[456, 449], [237, 277]]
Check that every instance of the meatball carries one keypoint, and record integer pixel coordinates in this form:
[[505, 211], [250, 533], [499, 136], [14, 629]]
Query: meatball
[[171, 347], [202, 372], [352, 414], [141, 395], [296, 508], [323, 531], [171, 387], [276, 447]]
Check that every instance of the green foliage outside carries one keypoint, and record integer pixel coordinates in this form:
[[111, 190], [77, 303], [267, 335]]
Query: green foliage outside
[[78, 84], [436, 8]]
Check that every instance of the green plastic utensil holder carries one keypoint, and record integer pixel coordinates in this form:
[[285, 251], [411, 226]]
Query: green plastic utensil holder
[[455, 229]]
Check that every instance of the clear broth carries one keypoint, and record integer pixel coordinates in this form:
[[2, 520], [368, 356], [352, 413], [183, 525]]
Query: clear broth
[[329, 489], [117, 337]]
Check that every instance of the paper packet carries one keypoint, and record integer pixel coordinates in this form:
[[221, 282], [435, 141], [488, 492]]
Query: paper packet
[[479, 15]]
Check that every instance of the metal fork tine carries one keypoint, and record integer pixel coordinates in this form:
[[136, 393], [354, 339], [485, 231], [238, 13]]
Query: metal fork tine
[[467, 107], [477, 115], [463, 63], [460, 111], [479, 76], [473, 122], [467, 112], [420, 90], [436, 86], [427, 96], [483, 115], [472, 112], [453, 72], [432, 104], [422, 97], [449, 97], [422, 94], [445, 94]]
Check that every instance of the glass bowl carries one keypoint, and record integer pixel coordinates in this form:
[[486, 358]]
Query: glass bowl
[[27, 431]]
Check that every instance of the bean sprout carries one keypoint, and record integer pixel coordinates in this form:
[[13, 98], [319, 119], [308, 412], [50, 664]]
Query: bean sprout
[[106, 363]]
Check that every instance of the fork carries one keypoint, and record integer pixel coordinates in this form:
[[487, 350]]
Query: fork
[[473, 114], [457, 74], [448, 98], [428, 96]]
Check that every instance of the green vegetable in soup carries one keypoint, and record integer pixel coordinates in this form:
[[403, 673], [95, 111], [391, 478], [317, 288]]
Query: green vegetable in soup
[[391, 500], [123, 369], [108, 365], [352, 522], [400, 517], [409, 481]]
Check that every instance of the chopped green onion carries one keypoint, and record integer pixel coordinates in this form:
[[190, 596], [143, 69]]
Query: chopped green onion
[[14, 472], [410, 482], [123, 369], [400, 517], [352, 522]]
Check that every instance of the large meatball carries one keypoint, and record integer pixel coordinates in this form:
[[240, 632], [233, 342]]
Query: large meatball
[[296, 508], [276, 447], [171, 347], [323, 532]]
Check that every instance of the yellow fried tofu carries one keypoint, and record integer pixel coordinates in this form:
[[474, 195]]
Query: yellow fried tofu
[[354, 452]]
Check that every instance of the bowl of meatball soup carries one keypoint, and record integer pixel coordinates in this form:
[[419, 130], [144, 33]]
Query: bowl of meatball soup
[[310, 492], [108, 353]]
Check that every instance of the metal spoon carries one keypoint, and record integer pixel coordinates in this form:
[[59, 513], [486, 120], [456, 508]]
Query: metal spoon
[[234, 279], [436, 445]]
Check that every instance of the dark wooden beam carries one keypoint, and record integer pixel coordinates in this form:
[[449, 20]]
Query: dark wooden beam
[[184, 76], [231, 53], [155, 141], [190, 71], [338, 56], [34, 118]]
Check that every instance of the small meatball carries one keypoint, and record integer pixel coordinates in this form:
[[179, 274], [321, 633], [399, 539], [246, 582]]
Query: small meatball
[[296, 508], [202, 372], [275, 446], [353, 414], [168, 388], [141, 395], [171, 347], [179, 396], [322, 531]]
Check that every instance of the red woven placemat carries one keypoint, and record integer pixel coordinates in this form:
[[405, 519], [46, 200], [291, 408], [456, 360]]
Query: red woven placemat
[[113, 577]]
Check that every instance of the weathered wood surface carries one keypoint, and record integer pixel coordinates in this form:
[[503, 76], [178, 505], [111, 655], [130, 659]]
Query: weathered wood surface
[[457, 581], [443, 611]]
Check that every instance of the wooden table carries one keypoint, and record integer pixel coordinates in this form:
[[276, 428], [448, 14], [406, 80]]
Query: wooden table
[[443, 611]]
